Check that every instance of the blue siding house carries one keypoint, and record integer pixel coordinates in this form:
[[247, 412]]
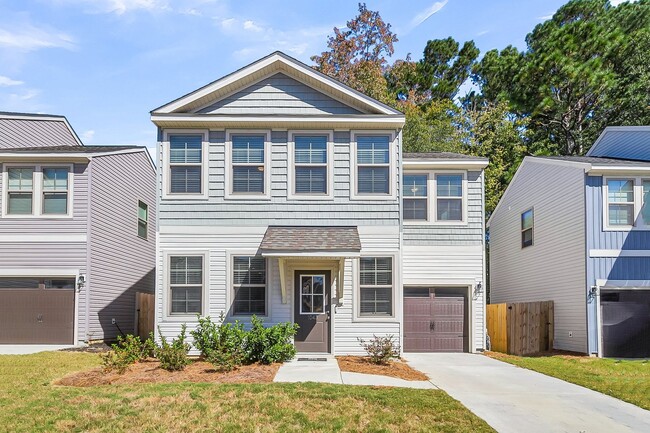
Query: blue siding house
[[584, 243]]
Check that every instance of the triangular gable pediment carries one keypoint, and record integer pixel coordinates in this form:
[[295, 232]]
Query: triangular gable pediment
[[276, 79]]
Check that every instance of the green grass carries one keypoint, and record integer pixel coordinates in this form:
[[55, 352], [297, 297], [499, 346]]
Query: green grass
[[623, 379], [30, 403]]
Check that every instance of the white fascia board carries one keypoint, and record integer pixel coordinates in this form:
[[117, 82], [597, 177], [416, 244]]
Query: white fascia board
[[627, 284], [444, 163], [67, 156], [613, 169], [39, 272], [313, 254], [394, 120]]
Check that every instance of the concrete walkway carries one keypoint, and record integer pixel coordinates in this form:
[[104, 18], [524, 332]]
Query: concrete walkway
[[513, 399], [28, 349], [328, 371]]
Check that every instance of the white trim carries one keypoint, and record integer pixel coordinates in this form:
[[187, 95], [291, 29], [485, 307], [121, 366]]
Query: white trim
[[637, 204], [392, 166], [424, 164], [324, 295], [37, 191], [46, 237], [230, 289], [623, 284], [619, 253], [386, 121], [315, 254], [166, 171], [175, 230], [228, 194], [291, 165], [39, 272], [25, 156], [166, 292], [396, 292], [613, 169]]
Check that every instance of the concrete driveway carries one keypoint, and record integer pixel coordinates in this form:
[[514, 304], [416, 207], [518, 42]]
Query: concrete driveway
[[513, 399], [28, 349]]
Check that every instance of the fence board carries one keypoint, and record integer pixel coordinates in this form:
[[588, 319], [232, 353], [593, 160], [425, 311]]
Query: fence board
[[497, 327], [521, 328], [144, 304]]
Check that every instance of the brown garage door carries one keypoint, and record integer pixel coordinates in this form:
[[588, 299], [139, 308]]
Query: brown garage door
[[36, 311], [434, 320]]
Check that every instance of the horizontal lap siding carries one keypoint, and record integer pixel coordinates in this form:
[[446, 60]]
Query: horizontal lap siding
[[121, 262], [34, 133], [554, 268]]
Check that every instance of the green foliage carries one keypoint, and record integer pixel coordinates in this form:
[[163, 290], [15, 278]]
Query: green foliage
[[221, 344], [173, 356], [434, 127], [117, 361], [126, 351], [380, 350], [445, 67], [270, 344]]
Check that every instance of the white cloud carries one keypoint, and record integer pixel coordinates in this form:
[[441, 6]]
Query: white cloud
[[25, 100], [6, 81], [119, 7], [545, 17], [250, 25], [88, 135], [27, 37], [483, 32], [228, 23], [425, 14]]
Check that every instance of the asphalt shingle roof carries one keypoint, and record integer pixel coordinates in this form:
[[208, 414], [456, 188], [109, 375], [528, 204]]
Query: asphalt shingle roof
[[310, 238], [441, 155], [598, 160], [70, 149]]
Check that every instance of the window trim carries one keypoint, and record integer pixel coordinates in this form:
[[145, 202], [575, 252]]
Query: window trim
[[166, 145], [430, 207], [230, 287], [167, 293], [37, 190], [638, 203], [324, 295], [522, 230], [392, 166], [463, 205], [356, 289], [291, 166], [228, 194], [146, 221], [432, 198]]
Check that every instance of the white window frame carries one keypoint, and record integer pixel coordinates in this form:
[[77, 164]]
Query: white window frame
[[37, 190], [166, 191], [638, 203], [167, 293], [428, 197], [230, 292], [521, 229], [432, 198], [392, 166], [291, 168], [326, 305], [228, 194], [356, 289]]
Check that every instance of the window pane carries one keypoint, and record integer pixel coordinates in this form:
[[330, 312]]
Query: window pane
[[311, 180], [19, 203], [415, 185], [142, 211], [142, 229], [248, 179], [319, 284], [20, 179], [450, 209], [185, 149], [527, 219], [415, 209], [373, 180], [306, 285], [449, 185], [621, 214], [376, 301], [186, 270], [247, 149], [185, 179], [186, 300], [66, 283], [645, 206], [249, 270], [311, 150], [55, 179], [249, 300], [18, 283], [527, 237], [620, 191], [373, 150], [318, 303], [55, 203], [376, 271]]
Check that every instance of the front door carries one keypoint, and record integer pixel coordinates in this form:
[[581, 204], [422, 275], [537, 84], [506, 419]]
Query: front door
[[312, 310]]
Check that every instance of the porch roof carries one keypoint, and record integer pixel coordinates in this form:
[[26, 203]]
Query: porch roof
[[311, 241]]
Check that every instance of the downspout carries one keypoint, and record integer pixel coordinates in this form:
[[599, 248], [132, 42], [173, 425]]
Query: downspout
[[486, 286], [89, 235]]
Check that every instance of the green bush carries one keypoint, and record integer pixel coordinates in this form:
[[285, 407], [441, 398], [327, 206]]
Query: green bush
[[221, 344], [271, 344], [381, 349], [128, 350], [173, 356], [115, 361]]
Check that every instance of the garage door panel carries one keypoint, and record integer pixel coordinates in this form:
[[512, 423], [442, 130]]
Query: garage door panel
[[625, 318]]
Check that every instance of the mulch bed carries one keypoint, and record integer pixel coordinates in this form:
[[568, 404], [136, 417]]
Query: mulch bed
[[150, 372], [91, 348], [398, 369]]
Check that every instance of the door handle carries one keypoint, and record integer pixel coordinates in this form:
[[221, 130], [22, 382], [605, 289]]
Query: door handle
[[432, 325], [39, 318]]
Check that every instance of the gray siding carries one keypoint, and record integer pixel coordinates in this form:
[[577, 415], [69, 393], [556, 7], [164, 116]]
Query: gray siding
[[465, 234], [279, 94], [630, 143], [279, 210], [34, 133], [554, 267], [121, 263]]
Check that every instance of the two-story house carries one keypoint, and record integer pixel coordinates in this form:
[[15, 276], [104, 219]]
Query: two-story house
[[576, 230], [77, 233], [285, 194]]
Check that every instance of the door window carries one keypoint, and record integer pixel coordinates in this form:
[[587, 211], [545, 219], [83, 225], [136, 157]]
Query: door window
[[312, 294]]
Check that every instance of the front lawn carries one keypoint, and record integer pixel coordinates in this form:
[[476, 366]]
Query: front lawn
[[623, 379], [29, 402]]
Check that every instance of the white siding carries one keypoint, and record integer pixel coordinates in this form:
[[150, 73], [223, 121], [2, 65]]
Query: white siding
[[553, 269]]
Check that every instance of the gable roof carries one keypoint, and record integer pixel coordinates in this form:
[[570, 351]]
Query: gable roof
[[626, 142], [264, 67], [36, 130]]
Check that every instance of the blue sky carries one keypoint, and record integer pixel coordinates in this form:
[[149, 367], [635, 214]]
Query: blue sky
[[106, 63]]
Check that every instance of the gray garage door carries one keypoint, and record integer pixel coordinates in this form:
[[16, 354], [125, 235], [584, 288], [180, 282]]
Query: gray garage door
[[434, 320], [36, 311], [626, 323]]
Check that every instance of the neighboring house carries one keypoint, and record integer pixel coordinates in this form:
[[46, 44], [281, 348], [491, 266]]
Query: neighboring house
[[576, 230], [281, 196], [77, 233]]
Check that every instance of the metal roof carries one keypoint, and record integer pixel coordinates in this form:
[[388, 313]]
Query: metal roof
[[627, 142], [599, 161]]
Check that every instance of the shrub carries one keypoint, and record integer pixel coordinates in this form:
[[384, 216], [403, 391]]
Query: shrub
[[272, 344], [221, 344], [126, 351], [380, 349], [115, 361], [173, 356]]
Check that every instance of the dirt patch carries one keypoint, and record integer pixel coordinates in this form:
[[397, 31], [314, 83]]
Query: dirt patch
[[398, 369], [150, 372]]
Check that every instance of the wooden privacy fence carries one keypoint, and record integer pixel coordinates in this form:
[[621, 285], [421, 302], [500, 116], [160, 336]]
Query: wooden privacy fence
[[521, 328], [144, 309]]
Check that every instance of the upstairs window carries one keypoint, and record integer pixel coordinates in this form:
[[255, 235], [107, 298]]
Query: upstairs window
[[247, 159], [20, 190], [376, 286], [249, 285], [620, 202], [373, 165], [310, 160], [55, 190], [645, 202], [527, 222], [186, 164], [415, 197], [143, 219], [449, 197]]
